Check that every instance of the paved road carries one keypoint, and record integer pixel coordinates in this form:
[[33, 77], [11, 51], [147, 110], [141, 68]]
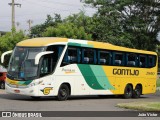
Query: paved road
[[10, 102]]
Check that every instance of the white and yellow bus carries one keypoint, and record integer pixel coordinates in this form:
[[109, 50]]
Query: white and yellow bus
[[64, 67]]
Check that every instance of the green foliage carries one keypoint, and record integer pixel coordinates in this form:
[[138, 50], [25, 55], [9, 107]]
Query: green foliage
[[68, 30], [131, 23], [76, 26], [37, 31]]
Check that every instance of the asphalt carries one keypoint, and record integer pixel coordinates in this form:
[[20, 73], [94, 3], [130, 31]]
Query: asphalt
[[10, 102]]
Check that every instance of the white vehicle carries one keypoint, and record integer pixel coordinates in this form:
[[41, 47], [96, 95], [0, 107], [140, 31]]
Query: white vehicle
[[62, 67]]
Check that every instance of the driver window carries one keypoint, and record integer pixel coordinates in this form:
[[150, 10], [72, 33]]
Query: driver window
[[46, 66], [48, 62]]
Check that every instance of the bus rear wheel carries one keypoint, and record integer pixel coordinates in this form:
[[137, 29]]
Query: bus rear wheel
[[128, 92], [63, 92], [137, 92]]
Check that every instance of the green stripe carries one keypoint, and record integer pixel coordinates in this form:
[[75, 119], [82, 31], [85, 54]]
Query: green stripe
[[95, 77], [25, 82], [80, 45], [89, 77], [101, 77]]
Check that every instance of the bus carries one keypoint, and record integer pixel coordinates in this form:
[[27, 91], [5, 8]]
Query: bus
[[65, 67]]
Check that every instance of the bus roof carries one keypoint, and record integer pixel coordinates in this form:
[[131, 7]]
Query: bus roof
[[45, 41], [39, 42]]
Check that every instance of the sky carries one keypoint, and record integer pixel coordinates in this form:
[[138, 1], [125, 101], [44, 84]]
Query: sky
[[37, 10]]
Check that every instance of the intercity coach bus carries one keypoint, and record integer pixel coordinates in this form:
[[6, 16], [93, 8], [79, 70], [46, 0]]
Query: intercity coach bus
[[64, 67]]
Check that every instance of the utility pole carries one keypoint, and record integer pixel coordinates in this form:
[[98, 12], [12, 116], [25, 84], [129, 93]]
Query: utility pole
[[29, 23], [13, 4]]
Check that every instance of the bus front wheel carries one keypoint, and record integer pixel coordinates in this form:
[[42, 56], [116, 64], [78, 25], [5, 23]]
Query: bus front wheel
[[63, 92], [128, 92]]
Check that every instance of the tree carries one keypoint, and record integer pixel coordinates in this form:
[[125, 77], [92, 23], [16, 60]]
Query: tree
[[36, 31], [81, 20], [142, 20], [131, 23], [68, 30]]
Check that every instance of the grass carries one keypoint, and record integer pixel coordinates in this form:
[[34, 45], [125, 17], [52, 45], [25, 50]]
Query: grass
[[142, 106], [158, 82]]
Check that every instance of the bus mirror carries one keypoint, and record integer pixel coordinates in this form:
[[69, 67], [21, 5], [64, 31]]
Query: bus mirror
[[5, 53], [39, 55]]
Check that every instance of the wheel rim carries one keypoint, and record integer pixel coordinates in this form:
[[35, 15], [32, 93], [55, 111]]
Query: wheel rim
[[138, 92], [129, 92], [63, 92]]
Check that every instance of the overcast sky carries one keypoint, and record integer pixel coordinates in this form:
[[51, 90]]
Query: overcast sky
[[37, 10]]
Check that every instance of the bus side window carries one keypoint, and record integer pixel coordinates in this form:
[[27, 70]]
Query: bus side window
[[104, 57], [88, 56], [151, 61], [118, 59], [131, 60], [71, 56], [49, 61], [142, 61]]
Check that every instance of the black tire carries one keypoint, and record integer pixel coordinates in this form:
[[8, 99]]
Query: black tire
[[35, 97], [2, 85], [63, 92], [128, 92], [137, 92], [102, 96]]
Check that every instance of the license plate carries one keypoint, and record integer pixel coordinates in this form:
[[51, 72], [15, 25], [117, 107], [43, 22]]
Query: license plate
[[17, 91]]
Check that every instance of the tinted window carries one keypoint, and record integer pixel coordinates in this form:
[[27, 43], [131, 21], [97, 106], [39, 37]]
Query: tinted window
[[71, 56], [48, 62], [118, 59], [131, 59], [47, 65], [142, 61], [88, 56], [151, 61], [104, 57]]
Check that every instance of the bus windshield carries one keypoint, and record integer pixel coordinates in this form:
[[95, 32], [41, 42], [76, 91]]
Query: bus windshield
[[21, 66]]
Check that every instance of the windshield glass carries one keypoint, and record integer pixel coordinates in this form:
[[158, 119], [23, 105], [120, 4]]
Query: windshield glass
[[21, 66]]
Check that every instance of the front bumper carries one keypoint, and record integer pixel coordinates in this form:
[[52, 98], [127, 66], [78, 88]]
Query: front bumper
[[28, 91]]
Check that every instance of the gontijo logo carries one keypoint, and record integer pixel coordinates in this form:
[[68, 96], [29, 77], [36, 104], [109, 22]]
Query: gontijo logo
[[47, 90], [125, 72]]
